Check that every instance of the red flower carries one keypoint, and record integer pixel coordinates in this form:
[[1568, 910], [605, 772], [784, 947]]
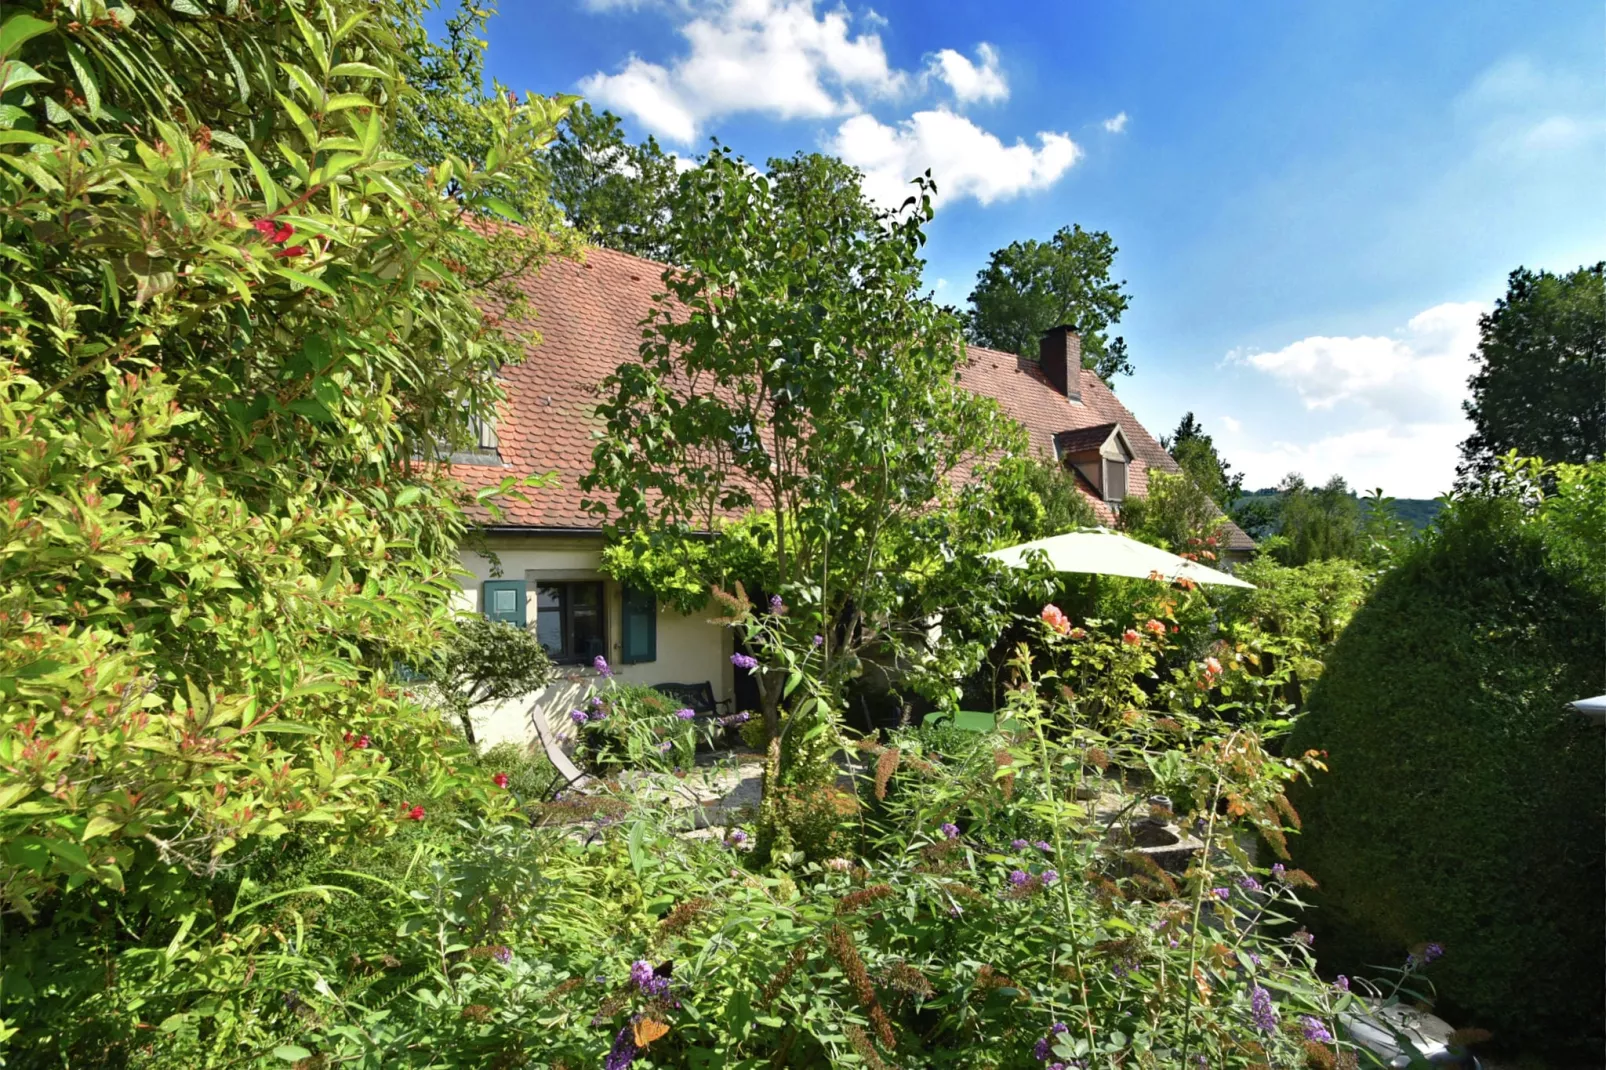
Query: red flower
[[1131, 638], [500, 780], [1212, 666], [1077, 633], [294, 250], [1055, 618], [1155, 627], [415, 814], [265, 227], [277, 233], [362, 743]]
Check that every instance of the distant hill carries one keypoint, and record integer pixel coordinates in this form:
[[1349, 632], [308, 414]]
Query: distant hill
[[1418, 512]]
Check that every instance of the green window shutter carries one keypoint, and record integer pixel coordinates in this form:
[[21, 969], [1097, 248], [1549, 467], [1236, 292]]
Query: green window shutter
[[639, 627], [503, 600]]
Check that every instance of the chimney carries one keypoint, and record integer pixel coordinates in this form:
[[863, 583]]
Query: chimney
[[1059, 353]]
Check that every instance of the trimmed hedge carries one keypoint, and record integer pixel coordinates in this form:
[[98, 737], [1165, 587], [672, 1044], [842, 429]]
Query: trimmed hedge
[[1464, 802]]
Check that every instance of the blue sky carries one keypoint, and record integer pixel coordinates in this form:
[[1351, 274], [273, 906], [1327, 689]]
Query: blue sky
[[1313, 201]]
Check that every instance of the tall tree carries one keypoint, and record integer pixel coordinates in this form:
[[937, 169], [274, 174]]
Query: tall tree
[[1540, 387], [1316, 523], [1029, 287], [1196, 452], [793, 369], [613, 191]]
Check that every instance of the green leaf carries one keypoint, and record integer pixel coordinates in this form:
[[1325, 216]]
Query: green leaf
[[357, 70], [19, 28], [99, 826], [304, 279], [292, 1053], [189, 7], [15, 73], [289, 727], [407, 496], [24, 137]]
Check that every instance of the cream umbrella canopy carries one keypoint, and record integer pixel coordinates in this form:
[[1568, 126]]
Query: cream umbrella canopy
[[1108, 554]]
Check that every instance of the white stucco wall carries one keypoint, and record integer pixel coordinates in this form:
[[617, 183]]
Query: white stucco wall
[[690, 650]]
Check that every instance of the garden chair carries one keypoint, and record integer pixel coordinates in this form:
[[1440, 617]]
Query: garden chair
[[569, 774]]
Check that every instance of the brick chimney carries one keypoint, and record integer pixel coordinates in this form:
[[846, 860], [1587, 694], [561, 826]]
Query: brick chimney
[[1059, 353]]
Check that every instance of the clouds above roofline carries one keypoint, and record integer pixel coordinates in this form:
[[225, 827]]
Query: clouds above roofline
[[784, 60]]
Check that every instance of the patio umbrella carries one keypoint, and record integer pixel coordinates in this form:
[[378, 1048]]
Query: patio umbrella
[[1108, 554]]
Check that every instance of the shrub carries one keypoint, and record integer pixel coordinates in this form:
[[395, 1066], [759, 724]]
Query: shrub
[[487, 661], [1464, 804]]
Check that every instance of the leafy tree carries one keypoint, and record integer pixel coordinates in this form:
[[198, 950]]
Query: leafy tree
[[1029, 287], [1540, 387], [613, 191], [794, 369], [1258, 513], [1195, 452], [1175, 514], [487, 661], [231, 321], [1040, 497], [1316, 523]]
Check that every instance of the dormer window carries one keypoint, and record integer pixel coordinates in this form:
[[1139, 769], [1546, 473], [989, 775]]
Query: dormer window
[[1101, 455]]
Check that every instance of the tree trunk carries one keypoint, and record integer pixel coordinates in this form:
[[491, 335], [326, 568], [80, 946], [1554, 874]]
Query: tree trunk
[[468, 728]]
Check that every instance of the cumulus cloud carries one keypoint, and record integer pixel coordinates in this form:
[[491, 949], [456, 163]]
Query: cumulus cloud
[[1400, 393], [1233, 426], [1116, 123], [969, 81], [1421, 374], [966, 160], [774, 57]]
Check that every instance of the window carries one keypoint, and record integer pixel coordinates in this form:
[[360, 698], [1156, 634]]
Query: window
[[504, 600], [639, 627], [1114, 480], [569, 620]]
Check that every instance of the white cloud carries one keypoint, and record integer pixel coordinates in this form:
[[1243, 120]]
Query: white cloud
[[1400, 396], [966, 160], [1528, 111], [970, 82], [1421, 374], [1116, 123], [1407, 461], [1233, 426], [774, 57]]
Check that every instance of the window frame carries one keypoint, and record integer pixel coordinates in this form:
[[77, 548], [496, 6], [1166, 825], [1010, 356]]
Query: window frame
[[566, 617], [1110, 465]]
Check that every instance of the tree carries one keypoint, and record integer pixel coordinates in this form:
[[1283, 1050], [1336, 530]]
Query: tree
[[1540, 387], [232, 323], [1195, 452], [614, 192], [1029, 287], [487, 661], [1177, 515], [794, 370], [1316, 523]]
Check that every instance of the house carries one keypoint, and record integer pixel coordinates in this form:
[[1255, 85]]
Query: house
[[540, 562]]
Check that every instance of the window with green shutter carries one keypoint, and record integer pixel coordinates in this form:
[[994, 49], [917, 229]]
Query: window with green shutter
[[503, 600], [639, 627]]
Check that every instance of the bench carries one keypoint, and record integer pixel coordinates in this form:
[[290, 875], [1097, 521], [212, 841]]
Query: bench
[[699, 698]]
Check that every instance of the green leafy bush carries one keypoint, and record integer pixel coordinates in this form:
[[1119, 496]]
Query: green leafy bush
[[485, 661], [1464, 803]]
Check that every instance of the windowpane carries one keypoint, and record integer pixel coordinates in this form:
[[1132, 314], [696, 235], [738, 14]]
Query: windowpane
[[585, 634], [549, 619]]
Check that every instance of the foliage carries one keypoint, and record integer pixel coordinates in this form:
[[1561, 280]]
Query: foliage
[[1029, 287], [631, 726], [486, 661], [1540, 386], [1316, 523], [1039, 498], [1195, 452], [794, 367], [230, 324], [1176, 514], [1440, 702], [615, 192]]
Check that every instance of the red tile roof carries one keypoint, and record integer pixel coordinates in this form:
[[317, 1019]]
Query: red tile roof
[[588, 318]]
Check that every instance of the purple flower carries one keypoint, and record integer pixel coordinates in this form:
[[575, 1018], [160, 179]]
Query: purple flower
[[1050, 876], [1254, 959], [1018, 878], [1040, 1049], [1249, 884], [577, 716], [599, 714], [777, 606], [1044, 846], [744, 661], [1019, 845], [1261, 1010], [819, 640], [664, 747], [1342, 984], [600, 664], [950, 830], [1278, 869], [735, 719], [686, 715], [1431, 952], [1059, 1028], [1220, 893], [736, 838], [641, 973], [503, 954], [1315, 1030], [596, 701], [623, 1052]]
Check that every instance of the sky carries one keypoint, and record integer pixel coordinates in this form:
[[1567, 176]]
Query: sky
[[1314, 202]]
